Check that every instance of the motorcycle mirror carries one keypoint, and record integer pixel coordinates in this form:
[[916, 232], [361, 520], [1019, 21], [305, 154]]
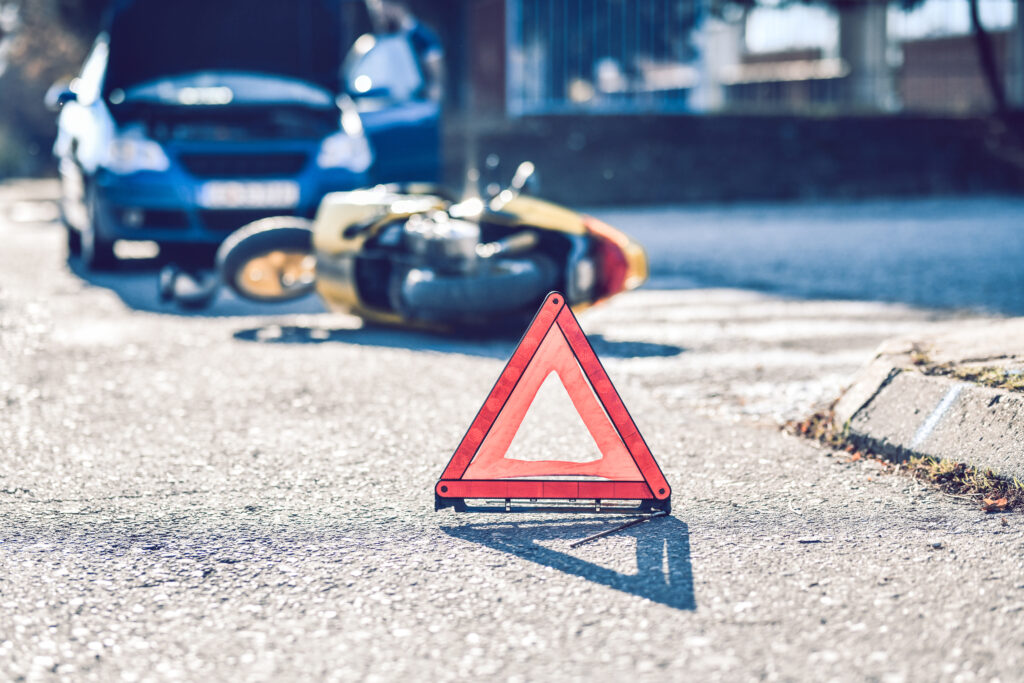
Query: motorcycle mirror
[[523, 174]]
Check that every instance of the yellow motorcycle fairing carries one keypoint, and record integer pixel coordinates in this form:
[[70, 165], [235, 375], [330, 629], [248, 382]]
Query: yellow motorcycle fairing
[[346, 220]]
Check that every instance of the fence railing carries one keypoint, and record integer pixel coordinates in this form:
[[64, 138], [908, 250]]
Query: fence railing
[[710, 56]]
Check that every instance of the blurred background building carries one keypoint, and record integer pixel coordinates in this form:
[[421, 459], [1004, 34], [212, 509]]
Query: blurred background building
[[668, 100], [547, 56]]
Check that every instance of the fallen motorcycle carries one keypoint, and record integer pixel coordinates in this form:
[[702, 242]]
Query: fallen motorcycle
[[413, 256]]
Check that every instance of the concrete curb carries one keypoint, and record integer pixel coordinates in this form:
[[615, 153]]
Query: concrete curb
[[894, 408]]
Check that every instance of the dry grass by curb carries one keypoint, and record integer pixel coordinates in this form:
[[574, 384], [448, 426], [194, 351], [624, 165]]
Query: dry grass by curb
[[1010, 379], [983, 487], [997, 378]]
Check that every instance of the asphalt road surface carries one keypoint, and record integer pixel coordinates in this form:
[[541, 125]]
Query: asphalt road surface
[[248, 496], [939, 253]]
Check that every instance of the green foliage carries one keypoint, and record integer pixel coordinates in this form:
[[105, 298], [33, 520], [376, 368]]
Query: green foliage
[[81, 17], [15, 159], [43, 49]]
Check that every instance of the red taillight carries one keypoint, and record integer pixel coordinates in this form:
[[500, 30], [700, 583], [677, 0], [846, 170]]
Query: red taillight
[[609, 257]]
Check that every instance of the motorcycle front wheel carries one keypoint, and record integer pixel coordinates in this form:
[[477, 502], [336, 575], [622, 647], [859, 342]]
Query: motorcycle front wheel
[[269, 260]]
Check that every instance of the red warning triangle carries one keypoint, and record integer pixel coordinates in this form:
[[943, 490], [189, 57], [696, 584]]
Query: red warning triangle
[[554, 343]]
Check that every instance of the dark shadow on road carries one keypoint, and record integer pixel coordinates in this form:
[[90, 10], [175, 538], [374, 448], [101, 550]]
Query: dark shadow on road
[[135, 282], [664, 573], [489, 345]]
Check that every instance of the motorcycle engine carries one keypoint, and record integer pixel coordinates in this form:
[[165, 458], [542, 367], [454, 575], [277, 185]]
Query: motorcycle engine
[[447, 276], [441, 242]]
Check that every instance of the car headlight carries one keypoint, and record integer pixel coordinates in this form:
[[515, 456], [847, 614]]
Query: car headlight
[[130, 154], [342, 150]]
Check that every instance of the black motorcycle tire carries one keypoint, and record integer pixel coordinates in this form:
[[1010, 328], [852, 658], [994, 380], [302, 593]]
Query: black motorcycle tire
[[511, 285], [279, 233]]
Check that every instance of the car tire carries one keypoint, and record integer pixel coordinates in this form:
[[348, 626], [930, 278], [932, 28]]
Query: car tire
[[96, 251], [278, 233], [73, 240]]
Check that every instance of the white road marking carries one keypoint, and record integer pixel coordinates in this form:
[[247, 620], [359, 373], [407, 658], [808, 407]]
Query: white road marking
[[925, 430]]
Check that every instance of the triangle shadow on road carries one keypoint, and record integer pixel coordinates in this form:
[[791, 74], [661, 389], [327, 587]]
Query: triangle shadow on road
[[664, 573]]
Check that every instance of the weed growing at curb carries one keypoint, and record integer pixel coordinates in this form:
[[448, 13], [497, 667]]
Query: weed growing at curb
[[1010, 379], [818, 427], [992, 492], [995, 493], [998, 378]]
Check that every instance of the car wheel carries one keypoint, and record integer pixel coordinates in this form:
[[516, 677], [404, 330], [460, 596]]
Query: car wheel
[[74, 241], [97, 252], [73, 238]]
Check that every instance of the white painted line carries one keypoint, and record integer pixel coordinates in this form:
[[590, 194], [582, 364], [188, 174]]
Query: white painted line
[[925, 430]]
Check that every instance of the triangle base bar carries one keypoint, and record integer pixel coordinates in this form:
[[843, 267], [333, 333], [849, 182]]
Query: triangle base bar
[[536, 488], [596, 505], [558, 496]]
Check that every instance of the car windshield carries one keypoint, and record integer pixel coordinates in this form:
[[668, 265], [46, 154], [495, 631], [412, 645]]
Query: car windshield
[[296, 39], [225, 87]]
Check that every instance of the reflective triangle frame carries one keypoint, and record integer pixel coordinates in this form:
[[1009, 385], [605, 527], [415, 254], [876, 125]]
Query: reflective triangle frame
[[626, 478]]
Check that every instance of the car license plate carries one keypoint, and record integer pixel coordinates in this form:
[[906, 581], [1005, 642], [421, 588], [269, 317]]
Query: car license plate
[[241, 194]]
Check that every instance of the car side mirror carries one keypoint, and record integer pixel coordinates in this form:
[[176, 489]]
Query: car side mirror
[[59, 94], [382, 67]]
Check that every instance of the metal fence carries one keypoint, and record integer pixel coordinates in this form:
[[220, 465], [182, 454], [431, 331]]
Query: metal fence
[[720, 56]]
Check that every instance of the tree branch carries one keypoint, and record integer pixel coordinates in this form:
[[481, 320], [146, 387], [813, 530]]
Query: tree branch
[[987, 60]]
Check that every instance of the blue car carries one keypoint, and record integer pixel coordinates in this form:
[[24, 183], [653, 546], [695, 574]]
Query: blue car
[[192, 118]]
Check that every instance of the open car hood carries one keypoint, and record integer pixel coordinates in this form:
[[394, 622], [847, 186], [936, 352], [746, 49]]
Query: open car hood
[[151, 39]]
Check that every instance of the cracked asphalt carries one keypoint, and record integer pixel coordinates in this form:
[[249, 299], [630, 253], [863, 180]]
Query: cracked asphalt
[[247, 495]]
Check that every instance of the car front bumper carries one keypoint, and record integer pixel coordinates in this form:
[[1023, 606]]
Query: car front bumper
[[165, 206]]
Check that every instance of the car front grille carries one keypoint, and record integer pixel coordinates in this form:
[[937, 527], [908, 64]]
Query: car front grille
[[244, 165], [137, 217], [165, 218], [229, 220]]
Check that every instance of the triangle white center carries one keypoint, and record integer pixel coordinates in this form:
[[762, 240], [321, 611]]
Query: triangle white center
[[552, 429]]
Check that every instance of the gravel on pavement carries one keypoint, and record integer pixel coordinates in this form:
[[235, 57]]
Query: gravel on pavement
[[248, 496]]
